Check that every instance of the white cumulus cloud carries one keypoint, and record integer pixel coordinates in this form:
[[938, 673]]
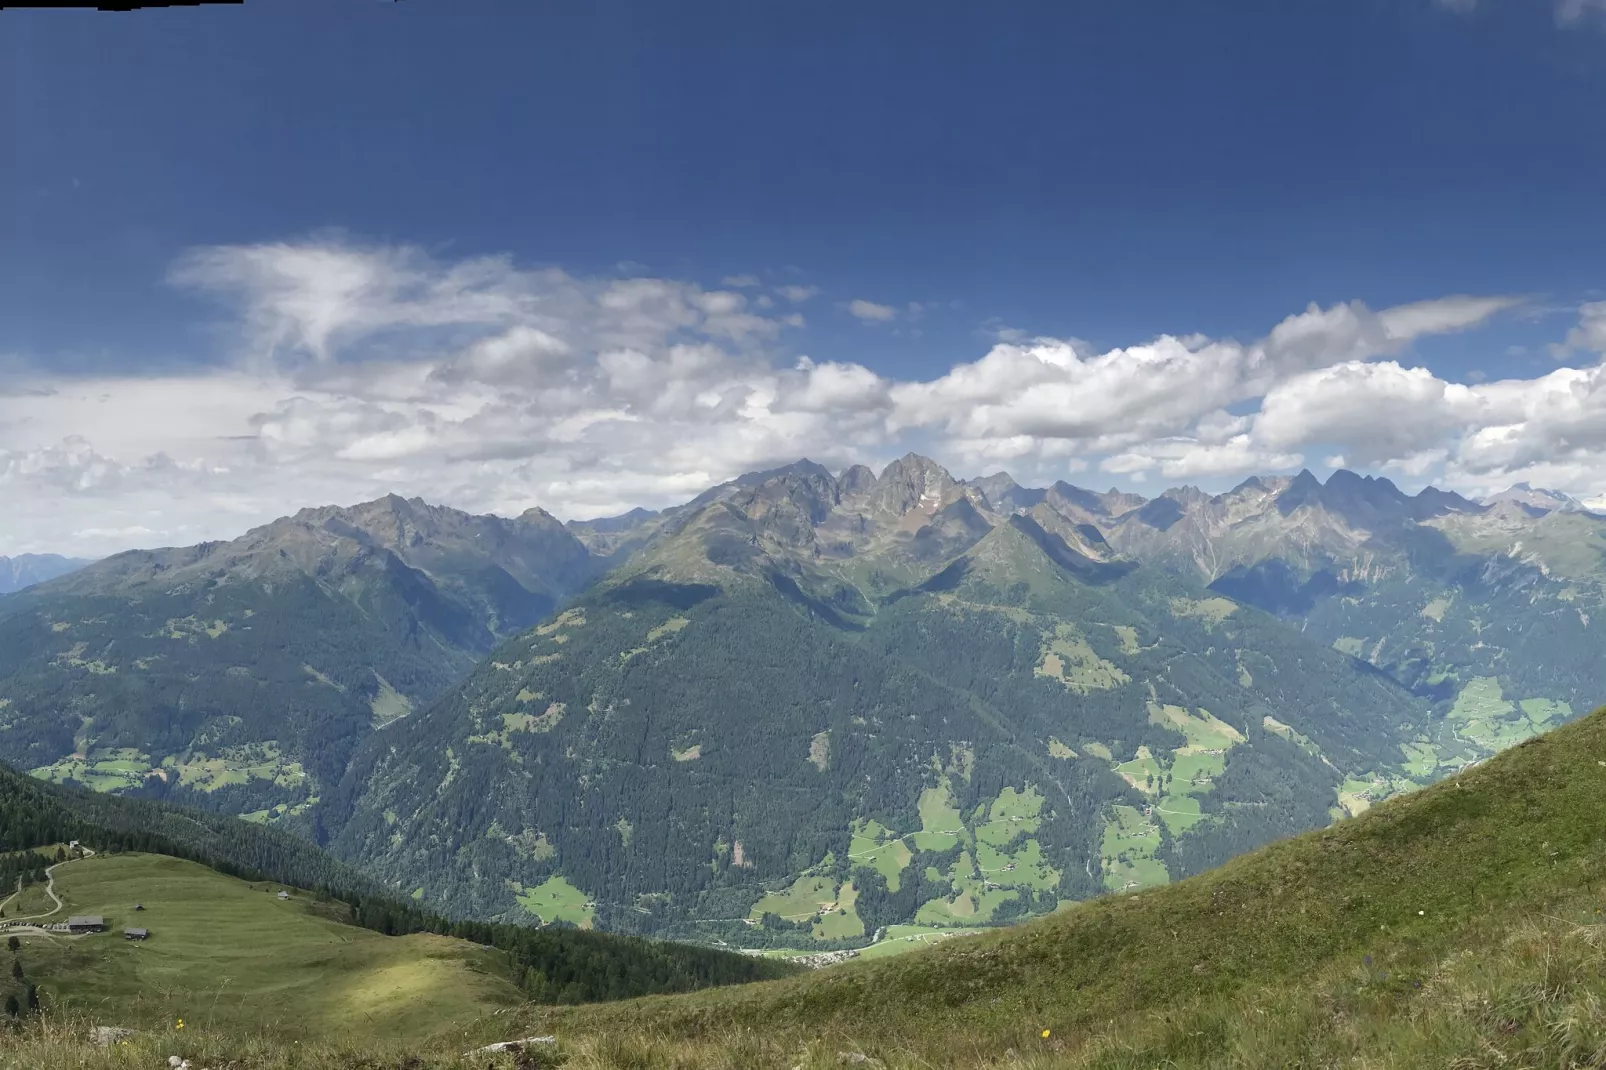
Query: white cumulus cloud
[[351, 371]]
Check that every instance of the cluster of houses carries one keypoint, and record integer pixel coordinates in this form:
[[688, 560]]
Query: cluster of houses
[[80, 924]]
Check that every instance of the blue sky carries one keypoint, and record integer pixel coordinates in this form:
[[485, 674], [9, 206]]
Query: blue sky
[[1103, 173]]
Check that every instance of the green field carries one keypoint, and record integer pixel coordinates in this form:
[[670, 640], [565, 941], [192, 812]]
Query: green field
[[970, 903], [806, 897], [1130, 841], [940, 823], [1483, 716], [901, 939], [1142, 771], [1067, 657], [124, 768], [1482, 722], [844, 922], [388, 704], [1179, 812], [1421, 760], [1174, 780], [875, 846], [1012, 814], [555, 899], [102, 769], [231, 953], [30, 901]]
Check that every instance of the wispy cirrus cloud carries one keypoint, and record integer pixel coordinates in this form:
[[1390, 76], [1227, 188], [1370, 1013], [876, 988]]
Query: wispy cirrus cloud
[[870, 312], [1567, 13], [798, 294]]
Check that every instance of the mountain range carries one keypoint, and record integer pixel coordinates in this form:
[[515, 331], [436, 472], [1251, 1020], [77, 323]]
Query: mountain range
[[240, 675], [25, 570], [805, 707]]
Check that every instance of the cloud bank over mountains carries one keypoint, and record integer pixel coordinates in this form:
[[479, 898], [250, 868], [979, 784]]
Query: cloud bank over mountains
[[350, 371]]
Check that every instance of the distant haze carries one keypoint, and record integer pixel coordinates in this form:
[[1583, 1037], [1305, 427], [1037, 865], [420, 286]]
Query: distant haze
[[25, 570]]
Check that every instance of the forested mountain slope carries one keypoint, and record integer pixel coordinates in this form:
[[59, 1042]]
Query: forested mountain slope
[[241, 675], [804, 708], [1490, 611], [550, 965], [1456, 926], [810, 707]]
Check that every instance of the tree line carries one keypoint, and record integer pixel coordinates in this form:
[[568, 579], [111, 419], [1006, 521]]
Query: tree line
[[551, 965]]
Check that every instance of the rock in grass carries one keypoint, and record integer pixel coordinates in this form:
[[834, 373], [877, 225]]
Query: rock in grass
[[107, 1035]]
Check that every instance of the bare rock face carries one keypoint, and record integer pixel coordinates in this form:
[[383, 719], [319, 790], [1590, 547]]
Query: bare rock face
[[913, 485]]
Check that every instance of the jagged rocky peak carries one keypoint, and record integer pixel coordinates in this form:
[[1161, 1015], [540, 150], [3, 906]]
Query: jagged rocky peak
[[611, 524], [1430, 502], [1000, 493], [914, 483], [1377, 489], [1188, 497], [803, 487], [390, 519], [1260, 487], [856, 481], [1305, 489], [1369, 500], [1086, 506], [1120, 502], [535, 516], [787, 503], [1550, 501], [1364, 499]]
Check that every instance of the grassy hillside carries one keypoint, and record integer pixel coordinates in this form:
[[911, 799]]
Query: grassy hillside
[[229, 953], [1463, 920], [556, 965], [1460, 926]]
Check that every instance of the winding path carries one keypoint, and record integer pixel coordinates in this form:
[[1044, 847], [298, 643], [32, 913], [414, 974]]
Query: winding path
[[50, 889]]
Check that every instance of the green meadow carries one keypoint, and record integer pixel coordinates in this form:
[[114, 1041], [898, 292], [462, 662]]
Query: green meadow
[[227, 953], [555, 899]]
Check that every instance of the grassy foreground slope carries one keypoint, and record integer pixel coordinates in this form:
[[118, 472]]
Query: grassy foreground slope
[[1463, 921], [230, 953]]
